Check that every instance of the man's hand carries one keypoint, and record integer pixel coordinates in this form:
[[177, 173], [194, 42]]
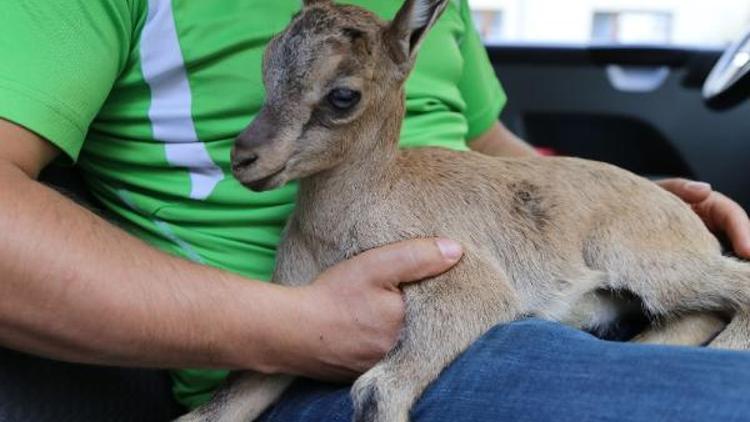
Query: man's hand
[[351, 315], [721, 214]]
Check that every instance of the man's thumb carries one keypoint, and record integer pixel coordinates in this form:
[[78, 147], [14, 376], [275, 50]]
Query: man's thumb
[[407, 261], [688, 190]]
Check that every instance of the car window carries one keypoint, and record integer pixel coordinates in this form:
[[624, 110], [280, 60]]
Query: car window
[[698, 23]]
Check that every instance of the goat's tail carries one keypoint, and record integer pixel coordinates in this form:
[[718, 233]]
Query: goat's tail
[[244, 398]]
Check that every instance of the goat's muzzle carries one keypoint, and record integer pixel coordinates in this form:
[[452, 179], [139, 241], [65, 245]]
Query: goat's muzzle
[[255, 169], [260, 155]]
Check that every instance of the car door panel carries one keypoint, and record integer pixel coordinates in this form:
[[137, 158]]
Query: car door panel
[[567, 99]]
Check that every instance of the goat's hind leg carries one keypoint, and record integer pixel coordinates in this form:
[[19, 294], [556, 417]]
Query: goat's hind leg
[[734, 277], [693, 329], [714, 284], [737, 333], [441, 323]]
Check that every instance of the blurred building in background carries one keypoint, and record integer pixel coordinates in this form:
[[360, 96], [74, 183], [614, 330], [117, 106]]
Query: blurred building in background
[[677, 22]]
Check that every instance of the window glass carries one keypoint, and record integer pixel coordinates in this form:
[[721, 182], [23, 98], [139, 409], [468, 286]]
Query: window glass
[[652, 22], [489, 22]]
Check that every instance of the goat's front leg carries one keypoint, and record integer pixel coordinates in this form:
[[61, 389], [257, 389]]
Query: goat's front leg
[[247, 394], [243, 398], [444, 316]]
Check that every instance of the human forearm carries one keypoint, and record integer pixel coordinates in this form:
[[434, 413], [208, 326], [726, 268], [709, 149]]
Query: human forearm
[[74, 287], [499, 141]]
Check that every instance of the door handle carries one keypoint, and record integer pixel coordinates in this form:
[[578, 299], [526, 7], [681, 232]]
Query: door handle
[[637, 79]]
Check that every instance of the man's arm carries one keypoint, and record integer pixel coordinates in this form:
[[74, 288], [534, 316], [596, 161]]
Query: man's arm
[[74, 287], [500, 142], [720, 213]]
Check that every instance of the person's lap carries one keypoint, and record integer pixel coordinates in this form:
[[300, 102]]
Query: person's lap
[[537, 371]]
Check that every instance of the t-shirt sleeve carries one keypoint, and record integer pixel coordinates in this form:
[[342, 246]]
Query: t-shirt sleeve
[[482, 92], [59, 61]]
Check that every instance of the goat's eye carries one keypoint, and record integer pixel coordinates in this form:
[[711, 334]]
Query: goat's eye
[[343, 98]]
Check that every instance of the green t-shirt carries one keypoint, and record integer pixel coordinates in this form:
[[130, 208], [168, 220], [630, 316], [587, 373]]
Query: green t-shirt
[[147, 96]]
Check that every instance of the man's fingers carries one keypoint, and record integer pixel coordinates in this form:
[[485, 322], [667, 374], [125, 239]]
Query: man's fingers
[[689, 191], [730, 218], [717, 211], [403, 262], [741, 242]]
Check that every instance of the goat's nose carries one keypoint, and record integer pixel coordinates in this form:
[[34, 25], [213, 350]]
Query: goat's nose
[[248, 160], [244, 160]]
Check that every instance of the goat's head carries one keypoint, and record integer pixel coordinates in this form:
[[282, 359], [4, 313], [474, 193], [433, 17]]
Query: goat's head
[[328, 79]]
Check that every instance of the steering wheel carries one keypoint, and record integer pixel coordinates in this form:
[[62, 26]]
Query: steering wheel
[[729, 80]]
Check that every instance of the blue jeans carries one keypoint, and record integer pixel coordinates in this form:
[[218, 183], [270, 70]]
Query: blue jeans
[[535, 370]]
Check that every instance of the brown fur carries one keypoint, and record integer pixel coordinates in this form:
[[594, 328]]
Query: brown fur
[[557, 238]]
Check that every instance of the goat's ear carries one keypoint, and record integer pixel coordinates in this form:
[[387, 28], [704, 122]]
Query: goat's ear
[[407, 30], [307, 3]]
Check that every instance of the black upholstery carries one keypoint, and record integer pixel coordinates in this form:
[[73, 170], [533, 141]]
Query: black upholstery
[[69, 182], [35, 389]]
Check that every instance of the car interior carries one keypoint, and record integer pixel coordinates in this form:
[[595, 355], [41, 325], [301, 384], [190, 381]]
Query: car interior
[[657, 110], [641, 108]]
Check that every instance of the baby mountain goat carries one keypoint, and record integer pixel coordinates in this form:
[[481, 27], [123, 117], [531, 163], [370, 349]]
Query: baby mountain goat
[[559, 238]]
